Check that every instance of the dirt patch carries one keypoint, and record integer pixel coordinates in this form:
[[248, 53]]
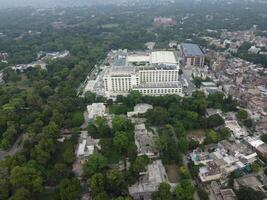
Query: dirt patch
[[172, 172], [197, 135]]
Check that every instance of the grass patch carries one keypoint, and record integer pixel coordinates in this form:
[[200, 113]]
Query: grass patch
[[173, 174], [119, 109]]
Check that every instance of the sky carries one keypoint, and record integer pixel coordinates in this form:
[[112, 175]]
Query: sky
[[51, 3]]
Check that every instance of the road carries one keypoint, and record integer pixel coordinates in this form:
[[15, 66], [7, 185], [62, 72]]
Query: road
[[14, 149]]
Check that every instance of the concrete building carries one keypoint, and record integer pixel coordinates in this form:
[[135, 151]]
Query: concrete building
[[139, 109], [192, 55], [150, 73], [149, 182], [237, 131], [87, 146], [96, 109], [250, 181], [145, 141], [216, 193]]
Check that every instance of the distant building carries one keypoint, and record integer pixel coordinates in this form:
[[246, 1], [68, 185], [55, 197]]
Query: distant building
[[96, 109], [164, 21], [192, 55], [254, 50]]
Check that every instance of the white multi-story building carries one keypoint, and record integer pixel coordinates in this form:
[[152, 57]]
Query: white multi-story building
[[154, 73]]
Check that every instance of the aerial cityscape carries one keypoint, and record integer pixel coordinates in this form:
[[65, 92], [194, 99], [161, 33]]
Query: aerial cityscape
[[133, 100]]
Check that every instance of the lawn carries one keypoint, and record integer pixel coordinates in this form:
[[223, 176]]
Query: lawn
[[172, 172], [198, 134]]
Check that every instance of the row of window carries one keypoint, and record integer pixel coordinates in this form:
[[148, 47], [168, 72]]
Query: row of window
[[161, 91], [159, 77]]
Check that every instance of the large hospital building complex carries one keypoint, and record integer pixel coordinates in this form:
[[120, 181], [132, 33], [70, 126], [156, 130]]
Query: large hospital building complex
[[149, 72], [153, 73]]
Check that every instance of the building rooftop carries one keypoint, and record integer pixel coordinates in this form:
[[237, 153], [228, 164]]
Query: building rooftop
[[163, 57], [144, 141], [121, 71], [150, 181], [192, 49], [96, 109]]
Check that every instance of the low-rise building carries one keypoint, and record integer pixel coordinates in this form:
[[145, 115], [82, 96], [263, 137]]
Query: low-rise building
[[216, 193], [87, 146], [237, 131], [96, 110], [139, 109], [210, 172], [145, 141], [149, 181], [250, 181]]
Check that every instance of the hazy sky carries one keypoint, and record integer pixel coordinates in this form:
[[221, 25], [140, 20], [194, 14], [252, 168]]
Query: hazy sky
[[49, 3]]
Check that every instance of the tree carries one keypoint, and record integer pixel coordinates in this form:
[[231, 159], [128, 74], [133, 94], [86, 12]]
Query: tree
[[242, 115], [248, 122], [26, 177], [121, 142], [202, 193], [21, 194], [184, 172], [89, 97], [139, 165], [122, 198], [211, 137], [184, 191], [183, 144], [101, 196], [69, 189], [179, 129], [4, 189], [215, 121], [163, 192], [264, 138], [246, 193], [43, 150], [116, 183], [95, 163], [225, 133], [120, 123], [97, 183], [157, 116], [102, 127], [132, 151]]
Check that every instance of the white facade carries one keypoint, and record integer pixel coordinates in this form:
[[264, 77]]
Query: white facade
[[154, 73]]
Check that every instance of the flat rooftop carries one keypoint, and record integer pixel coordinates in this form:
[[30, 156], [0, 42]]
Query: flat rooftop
[[121, 71], [163, 57], [192, 49]]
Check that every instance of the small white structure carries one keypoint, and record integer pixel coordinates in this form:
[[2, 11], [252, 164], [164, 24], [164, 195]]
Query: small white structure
[[96, 109], [254, 50], [139, 109]]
